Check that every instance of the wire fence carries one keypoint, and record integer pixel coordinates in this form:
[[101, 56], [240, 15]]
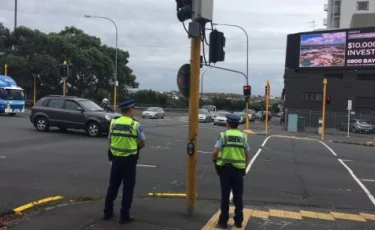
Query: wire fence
[[335, 122]]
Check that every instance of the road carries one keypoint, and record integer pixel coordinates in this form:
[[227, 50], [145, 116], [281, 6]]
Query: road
[[285, 174]]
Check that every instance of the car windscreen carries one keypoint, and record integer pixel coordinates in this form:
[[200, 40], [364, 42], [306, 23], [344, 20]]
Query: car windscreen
[[13, 94], [363, 123], [153, 109], [203, 111], [222, 114], [90, 105]]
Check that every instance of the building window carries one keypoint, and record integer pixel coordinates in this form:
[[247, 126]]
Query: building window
[[362, 5], [312, 96]]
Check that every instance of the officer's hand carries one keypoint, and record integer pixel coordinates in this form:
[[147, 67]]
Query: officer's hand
[[110, 156]]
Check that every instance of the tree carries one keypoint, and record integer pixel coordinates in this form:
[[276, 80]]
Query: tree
[[91, 64]]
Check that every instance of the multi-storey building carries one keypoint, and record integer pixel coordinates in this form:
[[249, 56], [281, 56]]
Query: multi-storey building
[[343, 13]]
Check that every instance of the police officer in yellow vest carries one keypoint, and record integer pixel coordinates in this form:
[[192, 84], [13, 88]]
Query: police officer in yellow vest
[[126, 138], [231, 157]]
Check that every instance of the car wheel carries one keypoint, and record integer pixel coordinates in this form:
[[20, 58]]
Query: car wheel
[[162, 117], [93, 129], [41, 124], [12, 114], [354, 130]]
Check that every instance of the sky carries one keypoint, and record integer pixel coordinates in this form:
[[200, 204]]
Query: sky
[[158, 44]]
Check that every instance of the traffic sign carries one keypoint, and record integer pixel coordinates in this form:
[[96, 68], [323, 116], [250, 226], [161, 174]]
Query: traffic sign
[[350, 105]]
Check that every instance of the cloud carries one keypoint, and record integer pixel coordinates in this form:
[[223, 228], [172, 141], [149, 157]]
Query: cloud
[[158, 44], [324, 38]]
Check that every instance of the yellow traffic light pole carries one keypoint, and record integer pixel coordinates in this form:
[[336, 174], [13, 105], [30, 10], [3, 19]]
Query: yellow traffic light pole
[[6, 69], [64, 80], [324, 108], [34, 76], [247, 113], [191, 188], [267, 103]]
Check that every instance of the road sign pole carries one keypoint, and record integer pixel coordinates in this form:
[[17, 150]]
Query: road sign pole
[[191, 188], [324, 108], [6, 69], [64, 81], [349, 110]]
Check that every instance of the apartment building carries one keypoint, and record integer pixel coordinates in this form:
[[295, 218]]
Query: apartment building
[[345, 13]]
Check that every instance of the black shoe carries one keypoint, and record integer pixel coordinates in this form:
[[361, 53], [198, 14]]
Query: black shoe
[[238, 225], [222, 224], [107, 216], [127, 220]]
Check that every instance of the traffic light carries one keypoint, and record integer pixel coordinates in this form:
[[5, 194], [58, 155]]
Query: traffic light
[[266, 90], [64, 70], [184, 9], [246, 90], [328, 100], [217, 44]]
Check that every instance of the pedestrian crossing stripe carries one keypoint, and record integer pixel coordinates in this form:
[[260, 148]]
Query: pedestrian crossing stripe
[[284, 214]]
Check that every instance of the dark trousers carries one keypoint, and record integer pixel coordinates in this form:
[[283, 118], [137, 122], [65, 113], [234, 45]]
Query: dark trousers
[[231, 178], [123, 170]]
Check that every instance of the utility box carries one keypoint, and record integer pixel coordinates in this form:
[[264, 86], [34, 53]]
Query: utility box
[[292, 123], [203, 10]]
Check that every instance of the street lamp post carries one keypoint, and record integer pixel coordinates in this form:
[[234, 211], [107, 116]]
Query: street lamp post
[[202, 83], [116, 83], [247, 65]]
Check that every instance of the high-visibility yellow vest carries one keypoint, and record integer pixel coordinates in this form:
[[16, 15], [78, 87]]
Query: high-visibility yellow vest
[[124, 136], [233, 149]]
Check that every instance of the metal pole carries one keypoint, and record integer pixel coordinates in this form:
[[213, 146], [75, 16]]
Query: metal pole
[[15, 14], [202, 82], [6, 69], [34, 89], [115, 85], [267, 102], [64, 81], [348, 121], [324, 107], [191, 188]]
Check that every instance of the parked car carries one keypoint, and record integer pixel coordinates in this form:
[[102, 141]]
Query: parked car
[[357, 126], [67, 112], [220, 118], [204, 116], [280, 114], [262, 115], [242, 115], [153, 112]]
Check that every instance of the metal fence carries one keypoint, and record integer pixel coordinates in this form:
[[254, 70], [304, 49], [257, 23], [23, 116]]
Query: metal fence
[[335, 122]]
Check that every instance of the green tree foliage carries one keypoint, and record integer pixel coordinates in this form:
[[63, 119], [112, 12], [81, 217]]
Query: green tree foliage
[[91, 64]]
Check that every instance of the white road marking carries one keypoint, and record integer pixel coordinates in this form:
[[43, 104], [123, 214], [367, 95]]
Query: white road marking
[[251, 163], [368, 180], [203, 152], [146, 166], [333, 152], [346, 160], [369, 195], [3, 157]]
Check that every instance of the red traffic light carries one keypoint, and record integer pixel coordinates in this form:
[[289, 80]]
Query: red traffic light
[[328, 100], [246, 90]]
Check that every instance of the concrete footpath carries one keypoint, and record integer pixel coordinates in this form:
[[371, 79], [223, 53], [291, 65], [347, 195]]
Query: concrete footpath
[[149, 213]]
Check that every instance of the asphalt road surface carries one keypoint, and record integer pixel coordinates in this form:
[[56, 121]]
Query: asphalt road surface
[[285, 173]]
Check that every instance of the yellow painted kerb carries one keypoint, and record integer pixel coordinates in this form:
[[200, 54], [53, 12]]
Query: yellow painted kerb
[[167, 194], [35, 203]]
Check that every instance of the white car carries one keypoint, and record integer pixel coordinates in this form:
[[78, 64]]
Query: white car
[[204, 116], [220, 118], [153, 112]]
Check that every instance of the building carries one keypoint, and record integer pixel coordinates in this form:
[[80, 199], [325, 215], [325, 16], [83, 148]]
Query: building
[[345, 13], [345, 57]]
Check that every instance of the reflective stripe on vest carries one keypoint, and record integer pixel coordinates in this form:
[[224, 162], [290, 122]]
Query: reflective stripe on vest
[[124, 136], [233, 149]]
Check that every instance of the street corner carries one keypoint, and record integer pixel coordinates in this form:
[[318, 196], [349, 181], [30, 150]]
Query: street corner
[[255, 216], [295, 137], [366, 144], [10, 217]]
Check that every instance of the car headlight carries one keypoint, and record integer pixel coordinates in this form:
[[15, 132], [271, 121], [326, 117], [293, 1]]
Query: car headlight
[[108, 118]]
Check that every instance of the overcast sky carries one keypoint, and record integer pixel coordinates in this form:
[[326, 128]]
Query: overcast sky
[[158, 44]]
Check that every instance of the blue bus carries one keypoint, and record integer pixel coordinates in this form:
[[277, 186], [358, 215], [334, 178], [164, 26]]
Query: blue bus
[[12, 97]]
